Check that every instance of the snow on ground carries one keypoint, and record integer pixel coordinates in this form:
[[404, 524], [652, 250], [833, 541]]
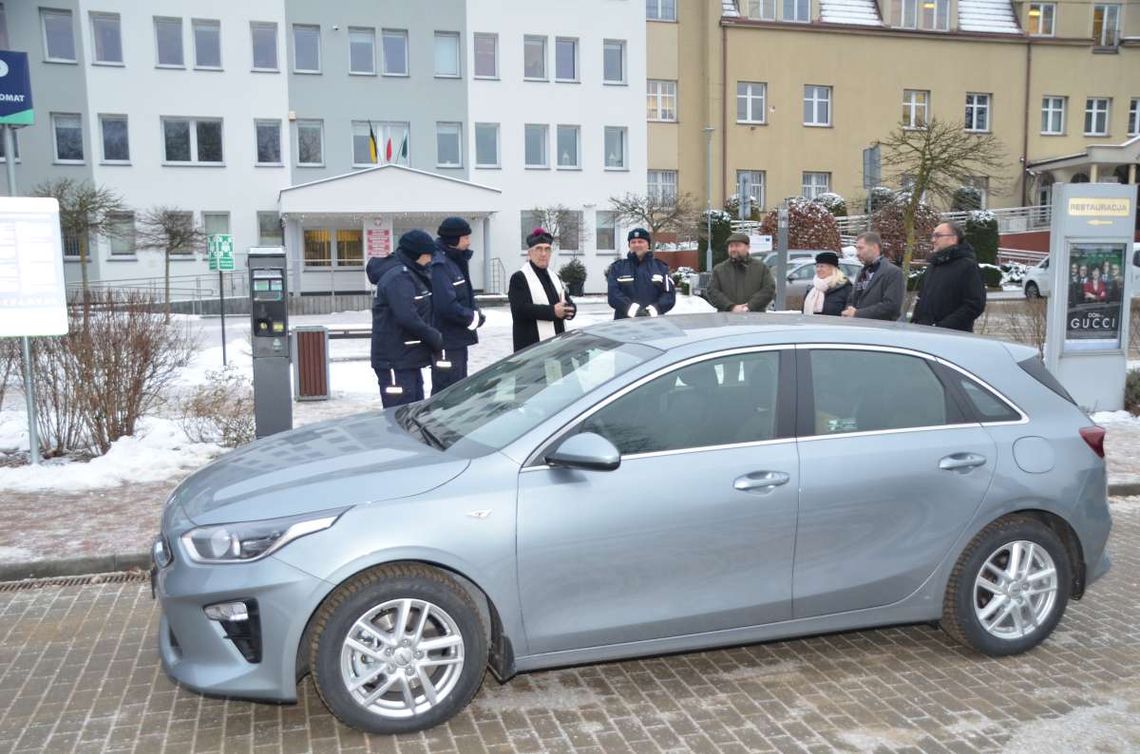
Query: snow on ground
[[1114, 417]]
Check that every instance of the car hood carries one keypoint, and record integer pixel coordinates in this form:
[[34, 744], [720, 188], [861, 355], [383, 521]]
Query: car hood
[[360, 459]]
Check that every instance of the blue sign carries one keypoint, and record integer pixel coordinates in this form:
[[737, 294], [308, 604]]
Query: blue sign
[[15, 89]]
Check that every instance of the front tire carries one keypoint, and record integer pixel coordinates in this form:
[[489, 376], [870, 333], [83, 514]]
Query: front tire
[[398, 649], [1032, 291], [1009, 588]]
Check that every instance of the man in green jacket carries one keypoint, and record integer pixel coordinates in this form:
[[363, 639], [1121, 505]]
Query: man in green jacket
[[741, 283]]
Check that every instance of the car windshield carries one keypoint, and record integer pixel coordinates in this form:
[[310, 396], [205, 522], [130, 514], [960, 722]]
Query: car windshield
[[499, 404]]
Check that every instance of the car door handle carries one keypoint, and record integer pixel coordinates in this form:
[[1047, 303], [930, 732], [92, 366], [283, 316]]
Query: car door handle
[[760, 480], [962, 462]]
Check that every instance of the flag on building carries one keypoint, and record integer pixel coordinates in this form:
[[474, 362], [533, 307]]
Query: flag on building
[[372, 149], [388, 151]]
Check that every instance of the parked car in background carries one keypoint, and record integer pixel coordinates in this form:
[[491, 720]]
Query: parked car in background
[[1038, 281], [770, 258], [800, 277]]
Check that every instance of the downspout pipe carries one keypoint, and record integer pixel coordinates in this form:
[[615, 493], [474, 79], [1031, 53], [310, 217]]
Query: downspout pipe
[[1025, 126], [723, 113]]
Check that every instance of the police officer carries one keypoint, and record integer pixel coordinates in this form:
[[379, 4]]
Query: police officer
[[453, 302], [639, 285], [403, 339]]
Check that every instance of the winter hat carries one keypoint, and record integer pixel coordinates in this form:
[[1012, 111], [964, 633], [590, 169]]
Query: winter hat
[[827, 257], [639, 233], [738, 238], [452, 229], [537, 236], [413, 244]]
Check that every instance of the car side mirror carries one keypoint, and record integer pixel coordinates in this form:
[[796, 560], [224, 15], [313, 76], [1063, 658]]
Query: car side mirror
[[586, 450], [1136, 259]]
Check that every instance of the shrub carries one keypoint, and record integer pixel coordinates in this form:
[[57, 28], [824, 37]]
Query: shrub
[[966, 198], [888, 221], [573, 273], [881, 196], [991, 275], [221, 411], [1132, 392], [810, 226], [9, 365], [833, 203], [721, 230], [982, 234]]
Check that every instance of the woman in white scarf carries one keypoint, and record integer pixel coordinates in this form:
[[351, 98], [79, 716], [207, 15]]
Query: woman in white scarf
[[830, 288]]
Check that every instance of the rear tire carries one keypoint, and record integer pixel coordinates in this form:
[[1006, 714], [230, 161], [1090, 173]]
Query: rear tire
[[1032, 291]]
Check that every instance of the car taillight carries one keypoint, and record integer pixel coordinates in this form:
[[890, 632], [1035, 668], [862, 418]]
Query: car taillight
[[1094, 436]]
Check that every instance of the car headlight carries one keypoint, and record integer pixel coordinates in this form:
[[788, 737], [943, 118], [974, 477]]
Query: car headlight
[[251, 540]]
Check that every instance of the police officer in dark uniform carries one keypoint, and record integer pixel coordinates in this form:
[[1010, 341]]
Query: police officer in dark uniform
[[639, 285], [403, 339], [453, 302]]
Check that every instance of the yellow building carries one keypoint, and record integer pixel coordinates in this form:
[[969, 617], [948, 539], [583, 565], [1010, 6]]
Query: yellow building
[[789, 92]]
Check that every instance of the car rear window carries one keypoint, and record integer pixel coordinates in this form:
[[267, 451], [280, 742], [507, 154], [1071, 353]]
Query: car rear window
[[1036, 369]]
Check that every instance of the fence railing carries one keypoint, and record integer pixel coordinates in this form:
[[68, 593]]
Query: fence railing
[[1009, 219], [191, 289], [498, 282]]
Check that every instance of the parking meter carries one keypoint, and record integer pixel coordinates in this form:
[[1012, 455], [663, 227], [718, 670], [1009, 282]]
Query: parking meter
[[269, 332]]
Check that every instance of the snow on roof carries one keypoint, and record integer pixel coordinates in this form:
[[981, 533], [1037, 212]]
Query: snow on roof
[[858, 12], [987, 16], [728, 8]]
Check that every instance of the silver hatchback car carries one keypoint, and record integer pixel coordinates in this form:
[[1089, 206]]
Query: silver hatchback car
[[634, 488]]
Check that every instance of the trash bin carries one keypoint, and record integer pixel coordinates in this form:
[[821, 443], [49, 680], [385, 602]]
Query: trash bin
[[310, 363], [702, 283]]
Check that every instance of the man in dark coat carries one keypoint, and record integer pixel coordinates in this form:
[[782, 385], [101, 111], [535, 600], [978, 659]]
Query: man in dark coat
[[639, 285], [953, 293], [453, 302], [403, 339], [740, 283], [540, 305], [878, 289]]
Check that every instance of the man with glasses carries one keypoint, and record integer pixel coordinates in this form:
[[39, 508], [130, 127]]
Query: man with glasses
[[953, 293], [540, 305]]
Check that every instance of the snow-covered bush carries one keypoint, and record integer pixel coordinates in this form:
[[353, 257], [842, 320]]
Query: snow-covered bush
[[881, 196], [9, 363], [810, 226], [966, 198], [1013, 273], [982, 233], [220, 411], [1132, 392], [889, 222], [834, 203]]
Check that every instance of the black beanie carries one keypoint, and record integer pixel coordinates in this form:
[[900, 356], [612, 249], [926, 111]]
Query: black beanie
[[452, 229], [537, 236], [639, 233], [413, 244]]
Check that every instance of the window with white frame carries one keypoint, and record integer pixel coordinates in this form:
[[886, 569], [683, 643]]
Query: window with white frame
[[447, 54], [310, 142], [1052, 116], [392, 140], [916, 108], [486, 145], [106, 33], [570, 230], [613, 61], [815, 184], [306, 48], [122, 236], [977, 112], [362, 50], [662, 100], [817, 105], [750, 101], [364, 140], [216, 223], [486, 56], [534, 58], [448, 138], [565, 59], [59, 37], [1134, 117], [268, 136], [67, 129], [759, 10], [929, 15], [1042, 17], [980, 183], [116, 141], [168, 42], [566, 142], [15, 142], [263, 42], [193, 140], [1106, 25], [798, 11], [528, 221], [1096, 116], [605, 230], [535, 141], [616, 145], [661, 185], [661, 10], [395, 44], [751, 182], [207, 43], [269, 232]]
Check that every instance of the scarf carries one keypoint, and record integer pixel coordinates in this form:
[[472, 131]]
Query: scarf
[[813, 301], [538, 295]]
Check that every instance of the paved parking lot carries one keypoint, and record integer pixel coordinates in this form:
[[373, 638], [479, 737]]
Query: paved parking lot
[[79, 672]]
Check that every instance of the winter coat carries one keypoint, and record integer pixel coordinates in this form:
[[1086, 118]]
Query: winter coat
[[453, 299], [748, 281], [402, 334], [526, 312], [836, 297], [953, 293], [643, 282], [883, 295]]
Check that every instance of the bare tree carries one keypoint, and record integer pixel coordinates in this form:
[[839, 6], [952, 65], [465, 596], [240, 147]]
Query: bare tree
[[655, 212], [171, 231], [937, 160], [562, 223]]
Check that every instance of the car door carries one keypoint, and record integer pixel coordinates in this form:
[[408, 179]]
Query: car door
[[891, 472], [693, 532], [799, 281]]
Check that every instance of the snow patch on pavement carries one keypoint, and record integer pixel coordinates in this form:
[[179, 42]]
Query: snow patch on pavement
[[1113, 417], [1110, 726]]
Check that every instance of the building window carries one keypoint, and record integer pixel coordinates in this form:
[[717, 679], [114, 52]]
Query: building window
[[616, 147], [816, 184], [534, 58], [207, 43], [661, 10], [317, 247], [448, 137], [116, 143], [268, 134], [263, 37], [68, 130], [16, 144], [1106, 25], [447, 54], [486, 56], [982, 184], [216, 223], [1053, 115], [535, 138], [122, 236], [613, 61], [662, 185], [930, 15], [107, 35], [977, 112], [798, 11], [569, 230], [306, 48], [269, 229], [1096, 116], [192, 140], [362, 50], [528, 221], [565, 59], [59, 39], [605, 226], [395, 52], [916, 108], [1041, 19], [310, 142], [750, 96], [662, 100], [486, 145], [817, 105], [391, 141], [350, 247], [168, 39], [363, 134], [751, 183], [567, 139], [759, 10], [1134, 117]]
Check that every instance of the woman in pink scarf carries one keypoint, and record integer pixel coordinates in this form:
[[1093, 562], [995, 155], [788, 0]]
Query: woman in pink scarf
[[829, 289]]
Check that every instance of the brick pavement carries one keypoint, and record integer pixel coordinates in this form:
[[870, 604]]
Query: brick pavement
[[79, 672]]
